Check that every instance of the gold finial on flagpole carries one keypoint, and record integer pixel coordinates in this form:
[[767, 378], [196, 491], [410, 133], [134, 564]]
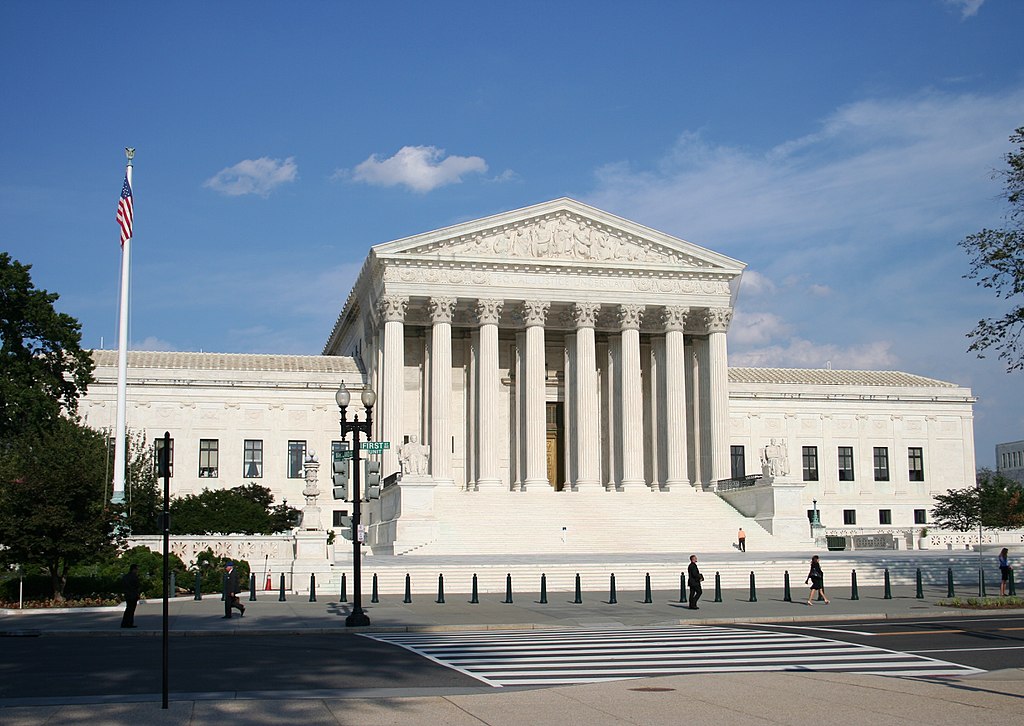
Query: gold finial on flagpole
[[129, 151]]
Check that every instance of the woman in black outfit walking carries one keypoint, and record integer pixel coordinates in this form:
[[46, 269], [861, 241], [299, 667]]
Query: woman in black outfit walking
[[816, 577]]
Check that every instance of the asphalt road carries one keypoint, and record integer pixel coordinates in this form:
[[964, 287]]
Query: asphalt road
[[56, 666]]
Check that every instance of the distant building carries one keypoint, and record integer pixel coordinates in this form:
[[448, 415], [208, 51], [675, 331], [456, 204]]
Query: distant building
[[564, 373], [1010, 460]]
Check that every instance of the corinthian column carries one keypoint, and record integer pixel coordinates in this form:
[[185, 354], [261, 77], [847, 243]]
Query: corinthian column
[[487, 312], [441, 310], [717, 321], [588, 442], [534, 315], [389, 413], [672, 416], [632, 402]]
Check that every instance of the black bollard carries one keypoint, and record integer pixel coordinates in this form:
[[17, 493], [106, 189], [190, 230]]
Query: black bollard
[[252, 587], [173, 586], [854, 592], [981, 583], [475, 599], [543, 589], [647, 589], [440, 589], [718, 588], [888, 586], [373, 590], [949, 582], [611, 591], [787, 595], [1013, 587], [281, 597], [753, 588], [579, 592], [312, 587], [682, 587], [344, 597], [508, 589], [920, 586], [199, 586], [408, 589]]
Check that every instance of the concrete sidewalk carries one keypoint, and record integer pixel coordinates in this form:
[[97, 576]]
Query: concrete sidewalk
[[748, 698]]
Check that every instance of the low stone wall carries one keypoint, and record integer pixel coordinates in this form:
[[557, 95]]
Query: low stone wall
[[266, 554]]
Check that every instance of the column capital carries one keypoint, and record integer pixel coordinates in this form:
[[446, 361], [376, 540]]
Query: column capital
[[717, 320], [391, 308], [441, 309], [584, 314], [488, 310], [534, 313], [629, 316], [674, 317]]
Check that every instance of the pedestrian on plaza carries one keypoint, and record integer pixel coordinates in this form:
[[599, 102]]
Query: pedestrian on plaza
[[231, 590], [817, 579], [1004, 571], [693, 580], [130, 586], [742, 539]]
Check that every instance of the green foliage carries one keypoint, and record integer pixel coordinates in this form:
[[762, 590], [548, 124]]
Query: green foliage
[[211, 572], [144, 499], [43, 369], [999, 500], [53, 509], [997, 263], [247, 509], [983, 603]]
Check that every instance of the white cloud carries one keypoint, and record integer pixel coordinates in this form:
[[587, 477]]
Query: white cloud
[[756, 284], [800, 353], [253, 176], [820, 290], [420, 168], [152, 343], [968, 8], [757, 328]]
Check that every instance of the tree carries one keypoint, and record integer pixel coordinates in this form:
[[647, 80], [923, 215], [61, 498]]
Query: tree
[[43, 369], [997, 263], [247, 509], [144, 500], [53, 509], [999, 500]]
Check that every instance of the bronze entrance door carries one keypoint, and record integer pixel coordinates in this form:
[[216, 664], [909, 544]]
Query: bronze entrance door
[[556, 445]]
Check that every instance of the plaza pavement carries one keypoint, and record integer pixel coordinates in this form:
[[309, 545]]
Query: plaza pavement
[[747, 698]]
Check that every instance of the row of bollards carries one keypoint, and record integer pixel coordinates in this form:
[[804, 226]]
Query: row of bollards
[[612, 599]]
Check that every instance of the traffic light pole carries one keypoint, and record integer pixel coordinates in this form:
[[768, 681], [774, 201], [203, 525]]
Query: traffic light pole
[[357, 616]]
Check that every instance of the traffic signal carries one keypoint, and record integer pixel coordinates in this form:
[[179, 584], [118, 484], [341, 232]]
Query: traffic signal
[[346, 526], [341, 471], [372, 479]]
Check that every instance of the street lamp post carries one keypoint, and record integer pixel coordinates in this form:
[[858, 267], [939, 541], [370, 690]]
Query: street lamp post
[[355, 426]]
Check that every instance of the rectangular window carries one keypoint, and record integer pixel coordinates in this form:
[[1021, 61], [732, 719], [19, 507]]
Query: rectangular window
[[920, 516], [252, 459], [209, 453], [881, 463], [849, 516], [296, 453], [845, 463], [810, 463], [338, 514], [885, 516], [915, 458], [158, 447], [739, 464]]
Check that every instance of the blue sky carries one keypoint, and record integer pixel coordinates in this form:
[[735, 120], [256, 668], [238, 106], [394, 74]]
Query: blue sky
[[841, 149]]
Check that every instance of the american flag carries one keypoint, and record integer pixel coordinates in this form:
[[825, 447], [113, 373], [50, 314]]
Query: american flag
[[124, 212]]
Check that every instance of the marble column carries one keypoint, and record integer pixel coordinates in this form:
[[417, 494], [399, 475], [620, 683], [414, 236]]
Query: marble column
[[441, 309], [486, 424], [588, 432], [389, 413], [717, 320], [674, 418], [534, 316], [632, 404]]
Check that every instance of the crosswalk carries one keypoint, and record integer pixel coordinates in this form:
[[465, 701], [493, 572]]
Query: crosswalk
[[553, 657]]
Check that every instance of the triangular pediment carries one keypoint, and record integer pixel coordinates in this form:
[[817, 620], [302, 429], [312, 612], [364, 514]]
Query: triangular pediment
[[559, 231]]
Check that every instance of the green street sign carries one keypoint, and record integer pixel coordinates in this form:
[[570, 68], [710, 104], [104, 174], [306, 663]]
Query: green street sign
[[374, 445], [342, 455]]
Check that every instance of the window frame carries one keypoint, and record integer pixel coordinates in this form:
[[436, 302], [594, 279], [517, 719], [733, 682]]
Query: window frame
[[250, 459], [737, 462], [809, 458], [844, 454], [209, 458], [849, 517], [296, 472], [915, 463], [880, 459], [158, 444]]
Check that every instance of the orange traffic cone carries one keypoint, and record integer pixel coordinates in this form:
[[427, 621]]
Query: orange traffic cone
[[268, 585]]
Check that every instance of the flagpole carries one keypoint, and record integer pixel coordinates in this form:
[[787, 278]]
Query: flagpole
[[120, 433]]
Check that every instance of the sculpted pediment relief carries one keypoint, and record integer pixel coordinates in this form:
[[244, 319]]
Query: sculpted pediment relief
[[557, 236]]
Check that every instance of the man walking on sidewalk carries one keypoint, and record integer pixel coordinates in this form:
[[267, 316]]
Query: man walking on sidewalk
[[231, 589], [693, 581]]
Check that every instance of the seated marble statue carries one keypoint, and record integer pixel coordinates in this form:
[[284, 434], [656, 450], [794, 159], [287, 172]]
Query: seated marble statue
[[413, 457]]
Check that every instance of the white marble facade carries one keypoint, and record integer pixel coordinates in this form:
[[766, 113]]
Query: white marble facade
[[555, 348]]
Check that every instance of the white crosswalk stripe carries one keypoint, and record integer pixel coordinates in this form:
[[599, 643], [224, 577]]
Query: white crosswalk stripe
[[551, 657]]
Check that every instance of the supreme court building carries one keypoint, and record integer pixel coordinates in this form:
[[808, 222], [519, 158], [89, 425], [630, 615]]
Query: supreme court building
[[545, 372]]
